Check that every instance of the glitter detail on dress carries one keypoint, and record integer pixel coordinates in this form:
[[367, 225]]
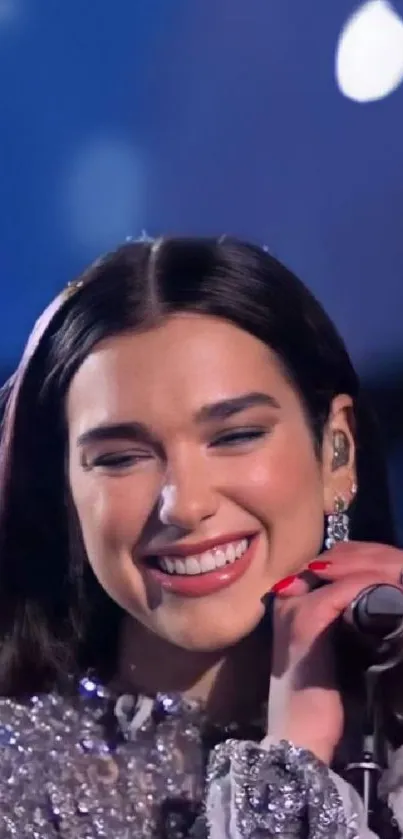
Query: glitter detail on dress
[[92, 765], [283, 791], [67, 770]]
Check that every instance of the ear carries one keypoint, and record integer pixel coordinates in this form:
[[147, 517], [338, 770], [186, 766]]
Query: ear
[[339, 454]]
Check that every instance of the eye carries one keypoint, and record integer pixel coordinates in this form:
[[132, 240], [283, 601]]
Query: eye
[[118, 461], [239, 437]]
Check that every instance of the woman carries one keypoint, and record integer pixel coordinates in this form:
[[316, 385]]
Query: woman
[[183, 432]]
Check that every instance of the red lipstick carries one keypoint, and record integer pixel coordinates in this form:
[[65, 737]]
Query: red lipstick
[[208, 582], [186, 549]]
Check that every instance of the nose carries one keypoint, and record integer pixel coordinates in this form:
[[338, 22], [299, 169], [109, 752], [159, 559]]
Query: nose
[[187, 498]]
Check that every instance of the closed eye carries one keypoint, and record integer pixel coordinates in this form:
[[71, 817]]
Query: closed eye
[[239, 437], [118, 461]]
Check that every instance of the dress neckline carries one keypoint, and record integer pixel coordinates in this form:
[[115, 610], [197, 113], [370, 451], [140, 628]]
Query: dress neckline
[[135, 711]]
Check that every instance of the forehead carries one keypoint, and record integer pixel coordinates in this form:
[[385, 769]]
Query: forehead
[[186, 362]]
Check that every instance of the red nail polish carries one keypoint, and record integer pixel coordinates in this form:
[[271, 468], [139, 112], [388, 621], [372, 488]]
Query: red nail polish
[[318, 565], [282, 584]]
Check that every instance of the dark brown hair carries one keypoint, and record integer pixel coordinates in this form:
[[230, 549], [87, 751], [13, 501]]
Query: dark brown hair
[[54, 616]]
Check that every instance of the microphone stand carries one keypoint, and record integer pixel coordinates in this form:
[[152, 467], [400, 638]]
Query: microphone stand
[[366, 771], [382, 612]]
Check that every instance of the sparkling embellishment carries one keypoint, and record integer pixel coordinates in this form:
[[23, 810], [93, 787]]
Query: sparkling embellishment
[[72, 288], [88, 687], [82, 767], [283, 791], [338, 525], [76, 285], [7, 736], [144, 237], [67, 772], [169, 704]]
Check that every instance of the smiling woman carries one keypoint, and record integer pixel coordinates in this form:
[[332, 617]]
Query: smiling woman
[[183, 421]]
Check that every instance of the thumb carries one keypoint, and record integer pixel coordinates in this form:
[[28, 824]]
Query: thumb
[[297, 585]]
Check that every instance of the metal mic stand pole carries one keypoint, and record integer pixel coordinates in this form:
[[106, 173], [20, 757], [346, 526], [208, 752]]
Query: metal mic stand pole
[[378, 615], [367, 770]]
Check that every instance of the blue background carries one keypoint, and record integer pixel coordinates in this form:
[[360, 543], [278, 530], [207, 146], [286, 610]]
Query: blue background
[[198, 116]]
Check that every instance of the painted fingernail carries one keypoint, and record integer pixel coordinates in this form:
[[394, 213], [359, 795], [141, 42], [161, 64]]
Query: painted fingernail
[[282, 584], [318, 565]]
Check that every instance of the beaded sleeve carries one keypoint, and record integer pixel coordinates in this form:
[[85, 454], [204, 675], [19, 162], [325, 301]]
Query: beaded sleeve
[[391, 787], [279, 790]]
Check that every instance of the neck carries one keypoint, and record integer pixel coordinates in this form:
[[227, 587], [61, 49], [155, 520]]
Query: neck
[[232, 683]]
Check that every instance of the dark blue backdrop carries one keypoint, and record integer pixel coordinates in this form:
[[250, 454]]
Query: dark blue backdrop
[[200, 116]]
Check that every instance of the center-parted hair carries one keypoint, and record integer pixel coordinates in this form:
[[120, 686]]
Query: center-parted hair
[[54, 615]]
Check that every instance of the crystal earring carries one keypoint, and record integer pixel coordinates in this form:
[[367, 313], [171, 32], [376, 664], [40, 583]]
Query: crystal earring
[[338, 523]]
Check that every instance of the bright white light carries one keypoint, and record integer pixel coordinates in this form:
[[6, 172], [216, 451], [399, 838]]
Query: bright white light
[[369, 57], [105, 193]]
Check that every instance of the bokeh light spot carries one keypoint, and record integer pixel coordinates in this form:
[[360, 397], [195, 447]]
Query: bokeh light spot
[[104, 193], [369, 56]]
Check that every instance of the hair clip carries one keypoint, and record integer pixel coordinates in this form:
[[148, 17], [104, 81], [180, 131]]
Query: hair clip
[[144, 238], [71, 288], [75, 285]]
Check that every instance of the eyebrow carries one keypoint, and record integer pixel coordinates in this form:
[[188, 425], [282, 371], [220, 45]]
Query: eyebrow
[[228, 407], [224, 409]]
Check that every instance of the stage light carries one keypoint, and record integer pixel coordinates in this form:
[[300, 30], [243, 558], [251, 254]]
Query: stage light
[[10, 10], [104, 193], [369, 55]]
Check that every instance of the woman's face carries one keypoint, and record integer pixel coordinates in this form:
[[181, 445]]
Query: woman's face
[[194, 476]]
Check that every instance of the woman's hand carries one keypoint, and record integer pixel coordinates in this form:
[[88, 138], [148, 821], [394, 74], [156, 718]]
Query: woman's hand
[[305, 704]]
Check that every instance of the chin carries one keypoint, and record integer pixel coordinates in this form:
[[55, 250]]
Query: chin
[[216, 635]]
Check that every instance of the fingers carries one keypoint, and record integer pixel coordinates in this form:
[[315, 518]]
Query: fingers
[[297, 585], [351, 558], [291, 586], [347, 559], [373, 550], [315, 612]]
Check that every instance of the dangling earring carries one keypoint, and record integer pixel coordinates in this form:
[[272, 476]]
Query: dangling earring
[[338, 523]]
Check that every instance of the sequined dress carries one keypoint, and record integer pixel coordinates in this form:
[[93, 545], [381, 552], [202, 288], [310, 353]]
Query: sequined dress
[[96, 765]]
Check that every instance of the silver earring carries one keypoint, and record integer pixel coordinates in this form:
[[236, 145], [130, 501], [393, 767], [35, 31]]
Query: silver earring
[[338, 523]]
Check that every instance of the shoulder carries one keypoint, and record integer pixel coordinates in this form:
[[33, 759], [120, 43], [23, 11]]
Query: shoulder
[[38, 743], [35, 722], [25, 738]]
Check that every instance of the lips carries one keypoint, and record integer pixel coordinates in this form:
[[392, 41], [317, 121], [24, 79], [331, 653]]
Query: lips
[[192, 573], [199, 547], [203, 563]]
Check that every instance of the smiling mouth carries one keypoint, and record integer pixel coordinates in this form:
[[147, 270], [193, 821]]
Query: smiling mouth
[[204, 563]]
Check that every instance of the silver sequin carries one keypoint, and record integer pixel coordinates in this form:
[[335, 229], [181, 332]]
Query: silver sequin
[[89, 766], [283, 791]]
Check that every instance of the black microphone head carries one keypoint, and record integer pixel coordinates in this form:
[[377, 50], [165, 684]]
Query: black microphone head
[[378, 610]]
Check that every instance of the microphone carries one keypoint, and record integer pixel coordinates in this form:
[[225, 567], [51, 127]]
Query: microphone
[[376, 617], [375, 620]]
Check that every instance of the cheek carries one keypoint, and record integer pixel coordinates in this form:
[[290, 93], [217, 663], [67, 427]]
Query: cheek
[[283, 489], [297, 508], [112, 516], [112, 513], [281, 477]]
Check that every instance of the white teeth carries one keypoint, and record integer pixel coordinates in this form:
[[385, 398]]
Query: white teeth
[[231, 553], [203, 563], [180, 566], [192, 565], [207, 562], [241, 548], [220, 558]]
